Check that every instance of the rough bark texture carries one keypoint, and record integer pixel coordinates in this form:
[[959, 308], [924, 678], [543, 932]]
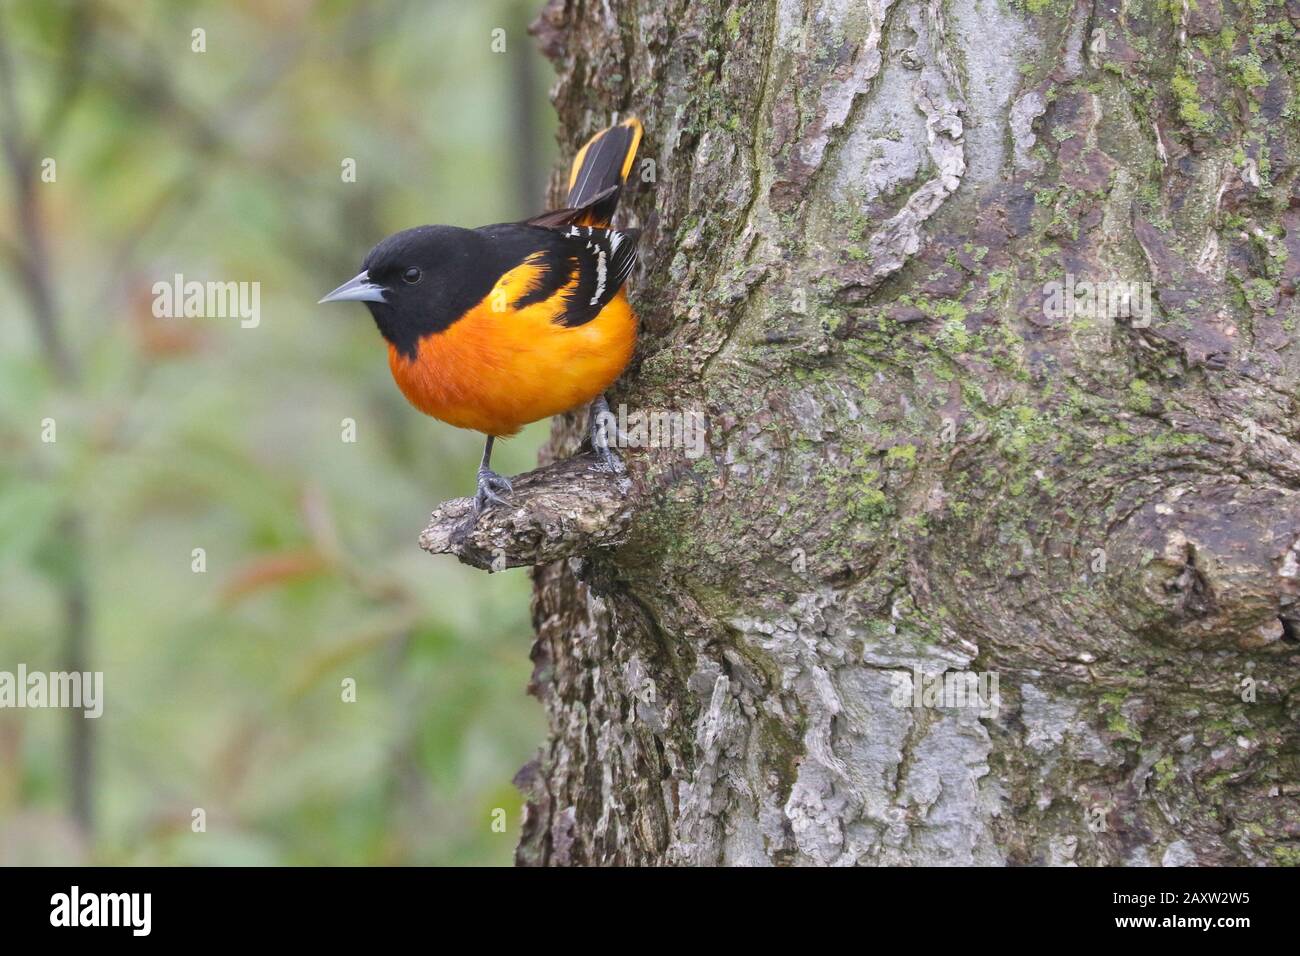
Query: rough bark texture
[[910, 469]]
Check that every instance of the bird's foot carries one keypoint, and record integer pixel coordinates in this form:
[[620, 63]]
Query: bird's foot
[[490, 488], [608, 461], [488, 494], [602, 424]]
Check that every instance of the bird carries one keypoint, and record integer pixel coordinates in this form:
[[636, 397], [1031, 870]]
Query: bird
[[492, 328]]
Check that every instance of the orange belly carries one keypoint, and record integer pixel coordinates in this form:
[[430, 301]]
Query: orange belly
[[496, 371]]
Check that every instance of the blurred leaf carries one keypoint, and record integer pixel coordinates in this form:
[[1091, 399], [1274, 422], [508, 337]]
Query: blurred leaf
[[271, 570]]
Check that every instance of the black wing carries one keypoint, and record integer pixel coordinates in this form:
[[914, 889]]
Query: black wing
[[605, 258], [594, 261]]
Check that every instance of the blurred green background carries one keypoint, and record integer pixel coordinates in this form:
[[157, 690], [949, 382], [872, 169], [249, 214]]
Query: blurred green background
[[224, 687]]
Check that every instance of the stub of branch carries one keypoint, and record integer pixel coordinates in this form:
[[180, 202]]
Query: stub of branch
[[565, 509]]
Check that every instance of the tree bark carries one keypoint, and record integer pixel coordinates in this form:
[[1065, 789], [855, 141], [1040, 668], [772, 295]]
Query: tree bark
[[913, 467]]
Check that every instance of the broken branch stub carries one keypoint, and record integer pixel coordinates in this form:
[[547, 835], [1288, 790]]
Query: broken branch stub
[[565, 509]]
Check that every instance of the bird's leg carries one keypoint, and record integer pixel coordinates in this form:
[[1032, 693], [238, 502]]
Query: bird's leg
[[490, 485], [601, 424]]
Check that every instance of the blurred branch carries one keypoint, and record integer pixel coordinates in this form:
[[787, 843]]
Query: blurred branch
[[562, 510], [72, 71], [31, 259], [529, 175], [76, 659]]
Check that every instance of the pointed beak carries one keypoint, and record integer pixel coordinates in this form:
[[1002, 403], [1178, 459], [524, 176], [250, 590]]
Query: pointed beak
[[357, 289]]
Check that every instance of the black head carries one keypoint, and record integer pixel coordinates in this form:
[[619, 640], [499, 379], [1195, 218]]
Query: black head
[[420, 281]]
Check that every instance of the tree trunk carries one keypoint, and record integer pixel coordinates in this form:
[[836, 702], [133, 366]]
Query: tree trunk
[[916, 464]]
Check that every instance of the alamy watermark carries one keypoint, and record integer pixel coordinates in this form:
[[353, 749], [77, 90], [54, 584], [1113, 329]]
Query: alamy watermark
[[655, 428], [208, 300], [977, 690], [58, 689], [133, 911], [1110, 298]]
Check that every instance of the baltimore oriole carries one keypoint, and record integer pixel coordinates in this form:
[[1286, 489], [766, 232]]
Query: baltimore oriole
[[496, 327]]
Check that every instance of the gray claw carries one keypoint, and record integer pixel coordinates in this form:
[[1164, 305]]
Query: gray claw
[[489, 484], [608, 460]]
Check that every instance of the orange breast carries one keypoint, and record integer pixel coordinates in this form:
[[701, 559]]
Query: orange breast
[[497, 369]]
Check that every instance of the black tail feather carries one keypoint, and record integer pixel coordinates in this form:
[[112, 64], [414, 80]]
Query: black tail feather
[[600, 168]]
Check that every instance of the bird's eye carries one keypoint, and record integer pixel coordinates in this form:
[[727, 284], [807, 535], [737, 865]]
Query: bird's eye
[[411, 275]]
